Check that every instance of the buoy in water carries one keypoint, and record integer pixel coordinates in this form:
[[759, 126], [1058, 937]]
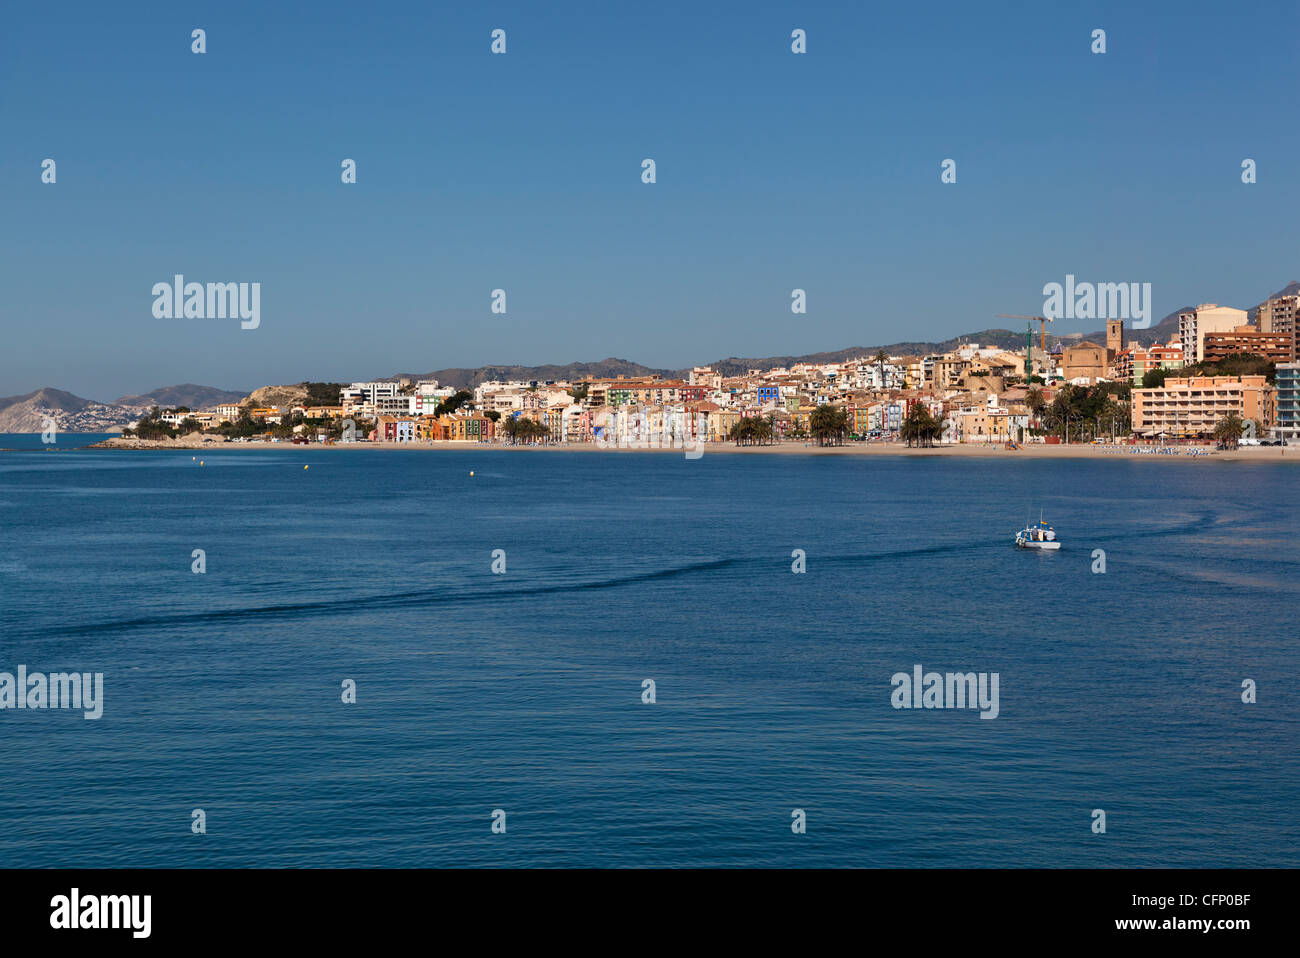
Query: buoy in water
[[306, 467]]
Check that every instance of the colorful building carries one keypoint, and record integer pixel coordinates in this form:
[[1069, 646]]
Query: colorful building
[[1133, 364]]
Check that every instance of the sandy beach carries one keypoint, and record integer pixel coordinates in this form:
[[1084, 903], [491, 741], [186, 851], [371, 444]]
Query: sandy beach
[[965, 450]]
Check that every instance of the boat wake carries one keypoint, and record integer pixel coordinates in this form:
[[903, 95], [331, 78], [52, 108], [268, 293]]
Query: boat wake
[[425, 598]]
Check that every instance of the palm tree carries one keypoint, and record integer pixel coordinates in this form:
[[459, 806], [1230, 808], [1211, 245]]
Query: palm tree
[[829, 424], [1064, 409], [935, 431], [519, 429], [1035, 402], [743, 431], [910, 431], [920, 428], [1112, 417], [880, 363], [1230, 430]]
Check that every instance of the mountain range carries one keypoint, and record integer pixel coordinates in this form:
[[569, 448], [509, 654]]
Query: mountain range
[[186, 394], [28, 412]]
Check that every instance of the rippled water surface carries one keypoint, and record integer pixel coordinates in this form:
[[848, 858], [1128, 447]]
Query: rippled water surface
[[522, 691]]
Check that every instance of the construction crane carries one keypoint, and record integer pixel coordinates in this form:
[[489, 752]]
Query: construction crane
[[1042, 325]]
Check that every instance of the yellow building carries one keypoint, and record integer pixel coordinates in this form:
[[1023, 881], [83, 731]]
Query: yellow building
[[985, 424], [718, 422]]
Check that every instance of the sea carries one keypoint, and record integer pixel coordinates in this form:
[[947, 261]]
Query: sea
[[505, 658]]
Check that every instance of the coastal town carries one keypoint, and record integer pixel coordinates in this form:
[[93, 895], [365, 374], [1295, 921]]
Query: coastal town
[[1221, 381]]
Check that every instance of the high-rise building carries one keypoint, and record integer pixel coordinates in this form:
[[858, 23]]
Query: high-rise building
[[1277, 315], [1288, 401], [1280, 315], [1206, 318]]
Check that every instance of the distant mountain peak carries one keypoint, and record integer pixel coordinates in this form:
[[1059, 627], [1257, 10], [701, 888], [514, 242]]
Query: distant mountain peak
[[186, 394]]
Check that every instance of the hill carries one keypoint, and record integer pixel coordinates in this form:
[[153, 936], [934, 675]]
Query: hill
[[29, 412], [468, 378], [186, 394], [282, 396], [1001, 338], [1290, 289]]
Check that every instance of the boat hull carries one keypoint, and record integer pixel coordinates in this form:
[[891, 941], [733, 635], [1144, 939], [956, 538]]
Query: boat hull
[[1046, 546]]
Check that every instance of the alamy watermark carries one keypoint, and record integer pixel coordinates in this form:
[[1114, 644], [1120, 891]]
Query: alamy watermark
[[951, 690], [181, 300], [57, 690], [669, 430], [75, 911], [1073, 300]]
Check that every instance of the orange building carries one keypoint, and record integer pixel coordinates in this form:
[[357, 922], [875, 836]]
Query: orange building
[[1194, 406], [1133, 364], [1277, 346]]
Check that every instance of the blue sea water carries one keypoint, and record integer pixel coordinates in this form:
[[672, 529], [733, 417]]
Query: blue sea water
[[522, 691], [63, 441]]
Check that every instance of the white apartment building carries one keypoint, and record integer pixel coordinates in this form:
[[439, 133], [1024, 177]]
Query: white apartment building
[[176, 418], [1206, 318], [367, 392], [394, 405], [364, 397], [870, 377], [505, 399]]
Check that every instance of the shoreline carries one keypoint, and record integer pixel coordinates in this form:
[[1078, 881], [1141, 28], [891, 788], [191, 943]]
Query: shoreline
[[962, 450]]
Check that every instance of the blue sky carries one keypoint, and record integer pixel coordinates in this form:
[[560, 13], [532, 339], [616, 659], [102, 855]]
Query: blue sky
[[522, 171]]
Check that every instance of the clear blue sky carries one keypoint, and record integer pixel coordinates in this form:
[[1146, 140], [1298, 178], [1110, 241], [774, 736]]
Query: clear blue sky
[[522, 171]]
